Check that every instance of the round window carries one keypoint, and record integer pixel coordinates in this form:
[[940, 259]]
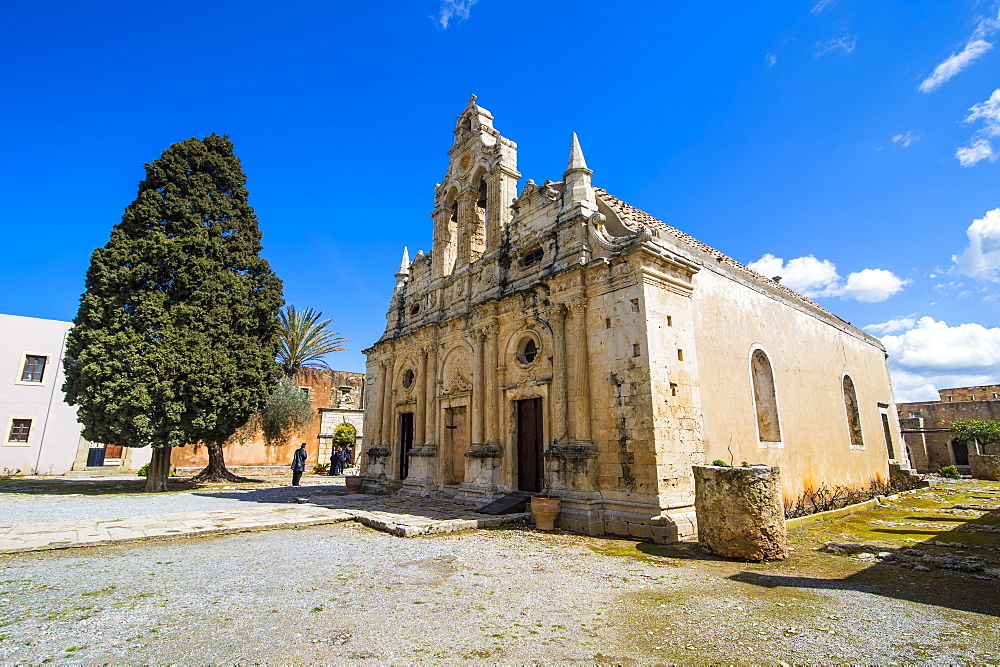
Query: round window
[[527, 351], [408, 378]]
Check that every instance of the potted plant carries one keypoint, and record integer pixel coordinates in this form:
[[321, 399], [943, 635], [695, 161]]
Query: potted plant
[[545, 506]]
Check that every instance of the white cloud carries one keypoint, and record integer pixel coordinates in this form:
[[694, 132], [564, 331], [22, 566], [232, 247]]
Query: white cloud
[[906, 140], [954, 64], [980, 147], [820, 6], [894, 325], [845, 44], [930, 354], [872, 285], [934, 346], [989, 113], [981, 258], [975, 153], [453, 10], [771, 59], [819, 278]]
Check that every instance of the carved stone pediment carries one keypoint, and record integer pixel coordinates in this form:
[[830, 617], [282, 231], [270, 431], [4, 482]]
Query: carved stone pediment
[[457, 384]]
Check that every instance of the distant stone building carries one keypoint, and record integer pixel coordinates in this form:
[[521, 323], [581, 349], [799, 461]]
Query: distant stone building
[[559, 338], [926, 426], [337, 396]]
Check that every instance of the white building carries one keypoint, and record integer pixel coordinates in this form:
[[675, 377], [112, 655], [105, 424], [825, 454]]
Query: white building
[[40, 432]]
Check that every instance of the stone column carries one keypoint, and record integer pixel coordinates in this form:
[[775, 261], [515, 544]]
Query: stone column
[[492, 385], [419, 414], [558, 398], [374, 422], [468, 225], [387, 404], [478, 386], [430, 395], [581, 413]]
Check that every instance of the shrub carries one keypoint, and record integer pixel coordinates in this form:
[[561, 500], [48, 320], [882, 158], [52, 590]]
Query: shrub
[[951, 472], [721, 463], [321, 468], [145, 468]]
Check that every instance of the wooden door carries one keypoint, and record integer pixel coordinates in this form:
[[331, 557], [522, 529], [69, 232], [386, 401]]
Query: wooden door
[[112, 451], [405, 443], [530, 465], [456, 443]]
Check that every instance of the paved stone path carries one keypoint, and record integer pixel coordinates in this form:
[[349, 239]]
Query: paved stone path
[[410, 517], [401, 516]]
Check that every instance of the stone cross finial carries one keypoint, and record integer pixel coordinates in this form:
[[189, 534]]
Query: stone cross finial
[[472, 100]]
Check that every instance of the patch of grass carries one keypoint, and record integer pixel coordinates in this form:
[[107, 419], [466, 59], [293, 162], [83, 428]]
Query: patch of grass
[[316, 609]]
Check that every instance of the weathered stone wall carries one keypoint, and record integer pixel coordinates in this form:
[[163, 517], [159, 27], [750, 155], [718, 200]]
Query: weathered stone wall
[[985, 466], [926, 425], [740, 512]]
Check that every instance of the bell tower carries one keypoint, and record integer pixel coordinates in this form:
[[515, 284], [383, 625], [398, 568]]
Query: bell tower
[[473, 202]]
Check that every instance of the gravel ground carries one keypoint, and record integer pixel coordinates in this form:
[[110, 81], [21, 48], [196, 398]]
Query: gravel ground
[[17, 508], [347, 594]]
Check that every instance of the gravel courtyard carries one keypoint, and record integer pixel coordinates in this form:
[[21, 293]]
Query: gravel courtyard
[[344, 593]]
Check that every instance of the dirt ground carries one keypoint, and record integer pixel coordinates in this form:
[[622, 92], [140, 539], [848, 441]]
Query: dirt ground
[[926, 591]]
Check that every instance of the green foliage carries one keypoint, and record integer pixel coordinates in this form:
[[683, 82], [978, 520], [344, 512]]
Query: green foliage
[[305, 340], [721, 463], [177, 333], [288, 410], [321, 468], [951, 472], [344, 435], [144, 470], [982, 431]]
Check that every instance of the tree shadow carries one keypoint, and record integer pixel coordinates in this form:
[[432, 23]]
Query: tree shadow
[[973, 540], [68, 486]]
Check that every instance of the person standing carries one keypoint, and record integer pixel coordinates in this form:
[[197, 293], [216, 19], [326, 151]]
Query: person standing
[[299, 464], [337, 462]]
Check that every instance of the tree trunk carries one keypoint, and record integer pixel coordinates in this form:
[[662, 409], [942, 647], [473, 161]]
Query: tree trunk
[[158, 470], [216, 470]]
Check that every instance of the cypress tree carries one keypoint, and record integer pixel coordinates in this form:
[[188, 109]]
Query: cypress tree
[[177, 332]]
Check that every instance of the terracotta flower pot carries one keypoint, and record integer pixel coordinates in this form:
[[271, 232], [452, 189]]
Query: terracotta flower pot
[[354, 483], [545, 510]]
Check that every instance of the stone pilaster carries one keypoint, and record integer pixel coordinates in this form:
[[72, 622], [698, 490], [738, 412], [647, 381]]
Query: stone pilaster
[[491, 362], [581, 412], [558, 397], [419, 414], [478, 385]]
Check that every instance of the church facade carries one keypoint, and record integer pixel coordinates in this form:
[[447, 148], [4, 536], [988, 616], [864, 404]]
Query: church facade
[[557, 339]]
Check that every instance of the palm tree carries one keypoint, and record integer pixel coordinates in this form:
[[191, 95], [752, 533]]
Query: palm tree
[[305, 340]]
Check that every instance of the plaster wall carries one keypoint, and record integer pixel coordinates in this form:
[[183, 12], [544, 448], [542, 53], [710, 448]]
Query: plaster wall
[[55, 433], [809, 356]]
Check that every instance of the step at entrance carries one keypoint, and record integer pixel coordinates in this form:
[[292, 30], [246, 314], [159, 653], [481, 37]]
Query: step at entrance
[[516, 501]]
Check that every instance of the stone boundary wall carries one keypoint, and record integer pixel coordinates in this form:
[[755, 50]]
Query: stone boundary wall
[[985, 466]]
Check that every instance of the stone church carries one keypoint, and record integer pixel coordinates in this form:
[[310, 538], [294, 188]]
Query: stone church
[[556, 338]]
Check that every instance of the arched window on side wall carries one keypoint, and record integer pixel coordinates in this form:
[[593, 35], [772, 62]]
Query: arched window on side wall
[[764, 398], [853, 416]]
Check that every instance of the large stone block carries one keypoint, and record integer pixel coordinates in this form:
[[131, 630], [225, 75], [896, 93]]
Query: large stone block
[[740, 513], [985, 466]]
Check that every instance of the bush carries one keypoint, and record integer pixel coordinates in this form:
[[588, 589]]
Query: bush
[[721, 463], [321, 468], [145, 468], [951, 472]]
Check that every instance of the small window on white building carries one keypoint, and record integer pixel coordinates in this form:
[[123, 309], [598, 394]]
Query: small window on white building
[[20, 431], [853, 415], [34, 368], [765, 398]]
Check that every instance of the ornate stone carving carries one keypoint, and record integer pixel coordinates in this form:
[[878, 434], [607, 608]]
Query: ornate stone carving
[[457, 384], [485, 451]]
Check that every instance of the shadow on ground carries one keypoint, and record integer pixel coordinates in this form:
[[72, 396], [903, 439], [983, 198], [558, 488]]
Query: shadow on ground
[[923, 556]]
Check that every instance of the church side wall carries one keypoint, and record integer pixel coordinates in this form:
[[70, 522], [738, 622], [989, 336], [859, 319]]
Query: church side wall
[[809, 358]]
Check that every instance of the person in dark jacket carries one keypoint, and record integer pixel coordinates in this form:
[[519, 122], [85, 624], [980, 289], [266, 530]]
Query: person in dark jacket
[[299, 464], [337, 462]]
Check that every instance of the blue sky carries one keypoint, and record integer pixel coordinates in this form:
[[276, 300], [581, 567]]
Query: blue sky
[[848, 146]]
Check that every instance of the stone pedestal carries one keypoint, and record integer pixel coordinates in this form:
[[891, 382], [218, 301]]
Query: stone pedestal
[[985, 466], [482, 472], [740, 513], [376, 479], [421, 475]]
